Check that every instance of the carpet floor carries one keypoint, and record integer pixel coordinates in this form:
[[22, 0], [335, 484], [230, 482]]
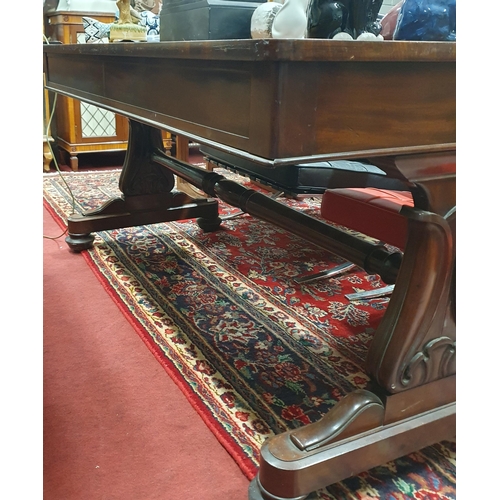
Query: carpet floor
[[253, 353], [114, 425]]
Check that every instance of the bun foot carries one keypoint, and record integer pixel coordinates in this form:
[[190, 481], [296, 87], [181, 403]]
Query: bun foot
[[79, 242], [208, 225]]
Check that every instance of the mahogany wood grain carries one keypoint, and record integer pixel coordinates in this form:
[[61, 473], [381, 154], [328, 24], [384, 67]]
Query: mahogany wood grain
[[245, 93]]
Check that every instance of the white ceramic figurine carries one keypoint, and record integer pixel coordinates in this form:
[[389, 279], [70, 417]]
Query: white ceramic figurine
[[291, 20]]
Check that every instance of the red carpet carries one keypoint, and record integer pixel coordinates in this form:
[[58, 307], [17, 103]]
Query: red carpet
[[115, 426]]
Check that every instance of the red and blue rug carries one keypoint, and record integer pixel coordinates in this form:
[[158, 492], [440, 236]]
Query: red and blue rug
[[255, 353]]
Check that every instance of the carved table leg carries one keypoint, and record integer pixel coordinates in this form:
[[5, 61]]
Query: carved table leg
[[411, 361], [414, 344], [148, 195], [415, 341]]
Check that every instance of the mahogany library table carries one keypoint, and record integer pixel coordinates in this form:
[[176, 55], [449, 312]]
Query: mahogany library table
[[278, 103]]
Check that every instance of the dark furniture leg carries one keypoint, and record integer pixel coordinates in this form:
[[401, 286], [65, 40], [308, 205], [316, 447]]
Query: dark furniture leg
[[148, 195]]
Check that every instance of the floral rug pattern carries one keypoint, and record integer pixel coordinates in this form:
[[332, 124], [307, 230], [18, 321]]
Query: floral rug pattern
[[254, 352]]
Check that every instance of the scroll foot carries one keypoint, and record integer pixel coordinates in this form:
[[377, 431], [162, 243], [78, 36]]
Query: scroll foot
[[348, 440]]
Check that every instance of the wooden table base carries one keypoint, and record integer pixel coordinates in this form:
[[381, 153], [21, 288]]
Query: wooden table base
[[353, 437], [148, 196]]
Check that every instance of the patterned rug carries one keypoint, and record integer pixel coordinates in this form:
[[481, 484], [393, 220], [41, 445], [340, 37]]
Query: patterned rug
[[255, 353]]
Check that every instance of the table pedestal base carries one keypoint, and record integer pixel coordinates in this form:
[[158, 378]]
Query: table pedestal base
[[295, 463], [139, 211], [148, 195]]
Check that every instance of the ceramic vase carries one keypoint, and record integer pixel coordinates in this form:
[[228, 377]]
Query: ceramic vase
[[291, 20], [263, 18]]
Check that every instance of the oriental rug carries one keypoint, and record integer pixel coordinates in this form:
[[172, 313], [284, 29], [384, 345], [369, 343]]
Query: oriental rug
[[255, 353]]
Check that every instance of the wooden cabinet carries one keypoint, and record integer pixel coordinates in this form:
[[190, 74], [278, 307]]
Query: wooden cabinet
[[79, 127]]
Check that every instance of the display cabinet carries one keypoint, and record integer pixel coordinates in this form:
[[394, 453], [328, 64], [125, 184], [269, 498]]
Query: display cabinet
[[80, 127]]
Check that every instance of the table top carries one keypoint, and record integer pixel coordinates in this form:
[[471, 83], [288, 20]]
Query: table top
[[273, 49], [274, 101]]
